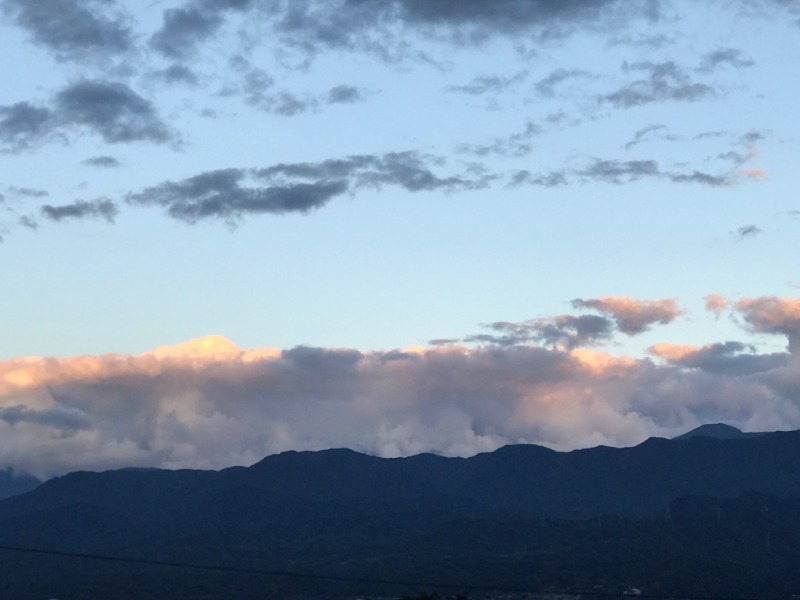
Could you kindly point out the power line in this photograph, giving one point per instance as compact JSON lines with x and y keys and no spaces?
{"x":340,"y":578}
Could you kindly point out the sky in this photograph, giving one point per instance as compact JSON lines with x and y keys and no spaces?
{"x":231,"y":228}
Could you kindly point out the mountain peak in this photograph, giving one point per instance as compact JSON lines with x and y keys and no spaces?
{"x":719,"y":431}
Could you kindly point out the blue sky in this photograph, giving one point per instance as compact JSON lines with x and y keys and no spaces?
{"x":451,"y":176}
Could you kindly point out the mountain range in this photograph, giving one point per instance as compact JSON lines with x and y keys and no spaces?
{"x":713,"y":512}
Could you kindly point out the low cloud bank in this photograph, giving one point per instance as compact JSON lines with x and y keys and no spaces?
{"x":209,"y":404}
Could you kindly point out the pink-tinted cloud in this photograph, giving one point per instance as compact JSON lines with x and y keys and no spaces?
{"x":633,"y":316}
{"x":754,"y":173}
{"x":209,"y":404}
{"x":770,"y":314}
{"x":715,"y":303}
{"x":773,"y":314}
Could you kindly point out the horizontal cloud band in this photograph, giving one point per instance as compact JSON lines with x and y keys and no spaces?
{"x":208,"y":404}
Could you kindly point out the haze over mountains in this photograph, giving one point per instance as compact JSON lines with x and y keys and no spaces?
{"x":498,"y":516}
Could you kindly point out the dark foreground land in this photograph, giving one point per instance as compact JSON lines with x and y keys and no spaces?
{"x":700,"y":517}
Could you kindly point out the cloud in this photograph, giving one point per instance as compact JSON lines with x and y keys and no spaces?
{"x":344,"y":94}
{"x":771,"y":314}
{"x":208,"y":404}
{"x":22,"y":124}
{"x":515,"y":145}
{"x":221,"y":194}
{"x":551,"y":179}
{"x":604,"y":170}
{"x":658,"y":131}
{"x":725,"y":358}
{"x":633,"y":316}
{"x":28,"y":222}
{"x":230,"y":194}
{"x":409,"y":170}
{"x":177,"y":74}
{"x":615,"y":171}
{"x":488,"y":84}
{"x":257,"y":88}
{"x":383,"y":28}
{"x":723,"y":180}
{"x":747,"y":231}
{"x":724,"y":57}
{"x":547,"y":86}
{"x":618,"y":172}
{"x":73,"y":29}
{"x":65,"y":419}
{"x":562,"y":332}
{"x":184,"y":29}
{"x":715,"y":303}
{"x":27,"y":192}
{"x":664,"y":82}
{"x":82,"y":209}
{"x":113,"y":111}
{"x":110,"y":109}
{"x":104,"y":162}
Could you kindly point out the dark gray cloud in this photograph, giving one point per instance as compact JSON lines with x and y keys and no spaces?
{"x":724,"y":57}
{"x":22,"y":125}
{"x":177,"y":74}
{"x":383,"y":27}
{"x":663,"y":82}
{"x":547,"y":86}
{"x":184,"y":29}
{"x":230,"y":194}
{"x":82,"y":209}
{"x":747,"y":231}
{"x":104,"y":162}
{"x":226,"y":194}
{"x":709,"y":179}
{"x":728,"y":358}
{"x":111,"y":110}
{"x":504,"y":15}
{"x":617,"y":171}
{"x":562,"y":331}
{"x":66,"y":419}
{"x":344,"y":94}
{"x":73,"y":29}
{"x":443,"y":341}
{"x":317,"y":359}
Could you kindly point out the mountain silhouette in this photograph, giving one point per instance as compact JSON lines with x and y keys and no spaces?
{"x":521,"y":515}
{"x":14,"y":484}
{"x":720,"y":431}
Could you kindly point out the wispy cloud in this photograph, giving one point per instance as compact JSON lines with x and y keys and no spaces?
{"x":82,"y":209}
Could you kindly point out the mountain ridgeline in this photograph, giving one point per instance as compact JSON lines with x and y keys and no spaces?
{"x":710,"y":513}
